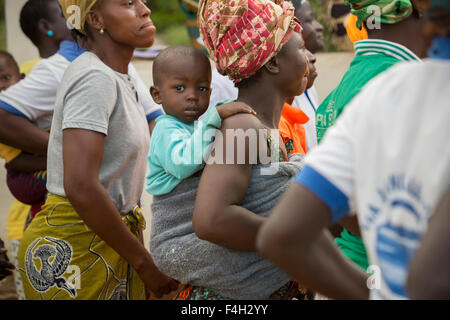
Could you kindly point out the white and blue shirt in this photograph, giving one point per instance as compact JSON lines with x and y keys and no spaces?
{"x":33,"y":98}
{"x":388,"y":159}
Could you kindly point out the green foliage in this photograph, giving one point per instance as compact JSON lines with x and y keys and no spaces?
{"x":170,"y":21}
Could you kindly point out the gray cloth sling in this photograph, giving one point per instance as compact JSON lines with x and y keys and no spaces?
{"x":180,"y":254}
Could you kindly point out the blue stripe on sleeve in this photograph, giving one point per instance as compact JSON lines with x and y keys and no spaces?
{"x":326,"y":191}
{"x":154,"y":114}
{"x":12,"y":110}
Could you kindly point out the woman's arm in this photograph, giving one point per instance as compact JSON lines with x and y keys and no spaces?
{"x":28,"y":163}
{"x":20,"y":133}
{"x":428,"y":276}
{"x":82,"y":155}
{"x":298,"y":242}
{"x":218,"y":216}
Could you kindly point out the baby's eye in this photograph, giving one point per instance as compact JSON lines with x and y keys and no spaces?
{"x":179,"y":88}
{"x":203,"y":89}
{"x":6,"y":77}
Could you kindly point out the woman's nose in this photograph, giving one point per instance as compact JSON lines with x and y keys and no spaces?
{"x":144,"y":10}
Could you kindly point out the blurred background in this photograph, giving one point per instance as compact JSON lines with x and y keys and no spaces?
{"x":171,"y":21}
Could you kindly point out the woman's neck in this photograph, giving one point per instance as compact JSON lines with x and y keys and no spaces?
{"x":267,"y":104}
{"x":115,"y":56}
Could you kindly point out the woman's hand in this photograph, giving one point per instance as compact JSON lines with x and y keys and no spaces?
{"x":229,"y":109}
{"x":155,"y":281}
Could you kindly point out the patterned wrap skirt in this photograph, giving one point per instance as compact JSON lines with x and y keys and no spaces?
{"x":60,"y":258}
{"x":290,"y":291}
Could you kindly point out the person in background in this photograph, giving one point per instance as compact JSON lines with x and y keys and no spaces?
{"x":43,"y":23}
{"x":398,"y":39}
{"x":376,"y":165}
{"x":308,"y":102}
{"x":25,"y":178}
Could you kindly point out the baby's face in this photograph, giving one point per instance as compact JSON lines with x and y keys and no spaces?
{"x":186,"y":89}
{"x":9,"y":74}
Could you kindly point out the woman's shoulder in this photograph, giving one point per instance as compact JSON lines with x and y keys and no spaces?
{"x":244,"y":121}
{"x":89,"y":68}
{"x":85,"y":73}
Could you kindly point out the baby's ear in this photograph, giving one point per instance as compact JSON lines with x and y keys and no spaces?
{"x":156,"y":94}
{"x":22,"y":76}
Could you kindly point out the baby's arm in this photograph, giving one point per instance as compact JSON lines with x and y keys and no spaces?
{"x":28,"y":163}
{"x":180,"y":152}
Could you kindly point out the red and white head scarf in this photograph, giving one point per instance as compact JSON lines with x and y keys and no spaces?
{"x":243,"y":35}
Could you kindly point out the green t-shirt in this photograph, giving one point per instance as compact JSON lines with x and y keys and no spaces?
{"x":372,"y":57}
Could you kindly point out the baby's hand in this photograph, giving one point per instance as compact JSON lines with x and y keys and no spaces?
{"x":229,"y":109}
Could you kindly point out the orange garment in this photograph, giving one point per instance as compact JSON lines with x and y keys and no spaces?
{"x":292,"y":130}
{"x":352,"y":30}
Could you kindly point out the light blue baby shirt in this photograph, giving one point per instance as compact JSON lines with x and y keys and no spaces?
{"x":178,"y":150}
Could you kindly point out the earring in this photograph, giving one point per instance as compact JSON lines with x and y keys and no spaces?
{"x":50,"y":33}
{"x":102,"y":31}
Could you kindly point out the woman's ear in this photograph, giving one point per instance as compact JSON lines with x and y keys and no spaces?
{"x":156,"y":94}
{"x":94,"y":20}
{"x":273,"y":65}
{"x":43,"y":27}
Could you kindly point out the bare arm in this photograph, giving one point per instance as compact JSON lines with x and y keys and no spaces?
{"x":28,"y":163}
{"x":299,"y":243}
{"x":428,"y":276}
{"x":218,"y":216}
{"x":82,"y":153}
{"x":20,"y":133}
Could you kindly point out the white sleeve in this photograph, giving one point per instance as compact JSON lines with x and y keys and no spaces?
{"x":33,"y":97}
{"x":152,"y":110}
{"x":222,"y":89}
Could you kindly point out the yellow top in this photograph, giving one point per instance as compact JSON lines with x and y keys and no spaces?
{"x":27,"y":66}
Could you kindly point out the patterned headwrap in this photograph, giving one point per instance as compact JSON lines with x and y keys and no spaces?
{"x":391,"y":11}
{"x":243,"y":35}
{"x":76,"y":11}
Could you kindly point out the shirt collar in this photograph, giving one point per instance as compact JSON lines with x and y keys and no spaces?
{"x":392,"y":49}
{"x":294,"y":115}
{"x":70,"y":50}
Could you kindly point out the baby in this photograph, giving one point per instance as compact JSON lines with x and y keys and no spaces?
{"x":25,"y":178}
{"x":182,"y":85}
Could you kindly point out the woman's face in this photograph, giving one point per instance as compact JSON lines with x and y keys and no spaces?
{"x":128,"y":22}
{"x":57,"y":23}
{"x":293,"y":63}
{"x":311,"y":68}
{"x":312,"y":29}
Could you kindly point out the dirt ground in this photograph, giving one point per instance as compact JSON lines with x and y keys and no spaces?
{"x":331,"y":67}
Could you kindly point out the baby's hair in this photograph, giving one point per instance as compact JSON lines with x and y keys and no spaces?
{"x":168,"y":55}
{"x":7,"y":55}
{"x":31,"y":13}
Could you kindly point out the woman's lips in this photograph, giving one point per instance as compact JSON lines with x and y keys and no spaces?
{"x":147,"y":25}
